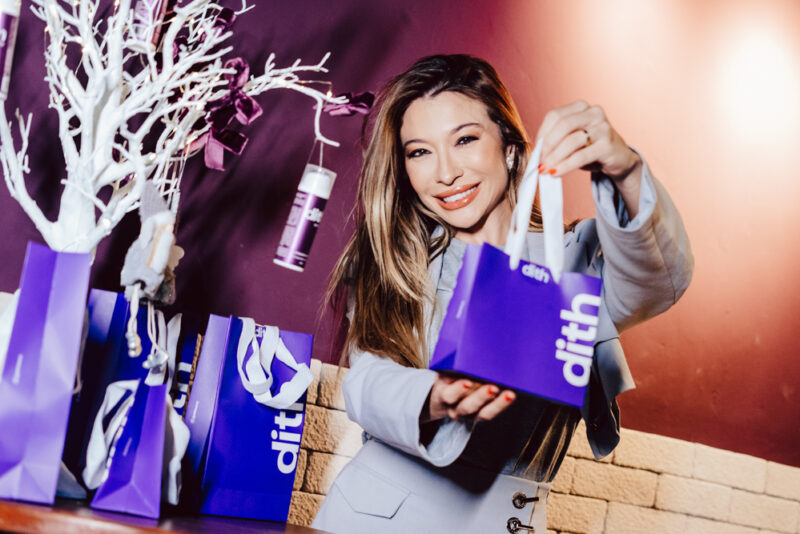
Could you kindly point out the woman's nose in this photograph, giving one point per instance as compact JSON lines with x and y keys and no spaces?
{"x":449,"y":169}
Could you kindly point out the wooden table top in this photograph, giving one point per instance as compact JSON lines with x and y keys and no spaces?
{"x":67,"y":517}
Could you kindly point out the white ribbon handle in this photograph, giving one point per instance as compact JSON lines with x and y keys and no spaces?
{"x":176,"y":441}
{"x":176,"y":438}
{"x":552,"y":201}
{"x":255,"y":373}
{"x":100,"y":448}
{"x":167,"y":337}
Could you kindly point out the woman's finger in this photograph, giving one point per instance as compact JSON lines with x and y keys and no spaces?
{"x":494,"y":408}
{"x":555,"y":115}
{"x":581,"y":122}
{"x":452,"y":393}
{"x":445,"y":392}
{"x":569,"y":146}
{"x":472,"y":403}
{"x":578,"y":159}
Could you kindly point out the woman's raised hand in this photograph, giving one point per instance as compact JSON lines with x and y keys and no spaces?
{"x":579,"y":136}
{"x":463,"y":399}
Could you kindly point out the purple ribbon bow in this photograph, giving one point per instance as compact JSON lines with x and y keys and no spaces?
{"x":236,"y":104}
{"x":358,"y":103}
{"x":225,"y":18}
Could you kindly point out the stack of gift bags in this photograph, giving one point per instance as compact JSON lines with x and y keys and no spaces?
{"x":208,"y":416}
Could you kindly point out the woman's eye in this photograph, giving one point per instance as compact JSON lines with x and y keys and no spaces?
{"x":416,"y":153}
{"x":466,"y":139}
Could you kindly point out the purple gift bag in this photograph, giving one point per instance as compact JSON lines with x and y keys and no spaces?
{"x":37,"y":381}
{"x":105,"y":360}
{"x":520,"y":329}
{"x":202,"y":406}
{"x":518,"y":324}
{"x":133,"y":485}
{"x":244,"y":453}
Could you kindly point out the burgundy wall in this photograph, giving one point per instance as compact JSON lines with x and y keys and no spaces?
{"x":707,"y":91}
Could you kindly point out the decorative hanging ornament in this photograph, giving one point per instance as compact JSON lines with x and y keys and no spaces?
{"x":131,"y":334}
{"x":9,"y":19}
{"x":221,"y":112}
{"x":306,"y":213}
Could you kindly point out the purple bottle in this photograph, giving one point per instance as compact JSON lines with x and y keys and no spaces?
{"x":9,"y":18}
{"x":301,"y":226}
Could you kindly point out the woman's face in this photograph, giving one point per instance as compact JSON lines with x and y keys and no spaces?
{"x":454,"y":158}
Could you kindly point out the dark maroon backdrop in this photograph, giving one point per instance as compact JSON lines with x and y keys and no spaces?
{"x":719,"y":368}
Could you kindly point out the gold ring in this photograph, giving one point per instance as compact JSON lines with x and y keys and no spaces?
{"x":588,"y":138}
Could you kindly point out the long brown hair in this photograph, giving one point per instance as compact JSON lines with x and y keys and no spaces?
{"x":382,"y":275}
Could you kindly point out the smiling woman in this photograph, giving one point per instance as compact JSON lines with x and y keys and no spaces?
{"x":457,"y":164}
{"x":441,"y":170}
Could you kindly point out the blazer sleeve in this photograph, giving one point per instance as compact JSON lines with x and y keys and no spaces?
{"x":648,"y":261}
{"x":386,"y":399}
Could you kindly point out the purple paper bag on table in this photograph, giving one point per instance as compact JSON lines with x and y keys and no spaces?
{"x":133,"y":485}
{"x":247,"y":452}
{"x":520,"y":328}
{"x":202,"y":405}
{"x":37,"y":381}
{"x":105,"y":360}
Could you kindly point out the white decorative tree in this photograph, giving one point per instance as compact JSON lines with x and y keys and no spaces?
{"x":128,"y":109}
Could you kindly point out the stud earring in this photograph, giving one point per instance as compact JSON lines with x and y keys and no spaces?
{"x":510,"y":161}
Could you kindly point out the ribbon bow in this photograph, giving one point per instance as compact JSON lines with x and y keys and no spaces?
{"x":225,"y":18}
{"x":236,"y":104}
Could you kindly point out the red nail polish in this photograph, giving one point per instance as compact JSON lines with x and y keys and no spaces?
{"x":466,"y":385}
{"x":552,"y":172}
{"x":509,"y":397}
{"x":541,"y":167}
{"x":492,"y":390}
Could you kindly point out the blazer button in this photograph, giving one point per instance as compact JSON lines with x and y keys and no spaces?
{"x":514,"y":525}
{"x":519,"y":500}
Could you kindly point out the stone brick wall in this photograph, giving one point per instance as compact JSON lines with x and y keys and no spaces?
{"x":651,"y":484}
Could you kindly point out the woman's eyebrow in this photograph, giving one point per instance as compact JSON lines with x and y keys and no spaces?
{"x":462,"y":126}
{"x":453,"y":131}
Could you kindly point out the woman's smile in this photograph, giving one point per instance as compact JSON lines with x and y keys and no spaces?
{"x":458,"y":197}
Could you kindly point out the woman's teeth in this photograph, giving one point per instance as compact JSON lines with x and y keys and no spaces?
{"x":460,"y":195}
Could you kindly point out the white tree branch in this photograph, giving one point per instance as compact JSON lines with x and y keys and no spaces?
{"x":128,"y":111}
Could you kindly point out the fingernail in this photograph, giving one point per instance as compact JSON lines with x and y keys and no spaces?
{"x":509,"y":397}
{"x":466,"y":385}
{"x":541,"y":167}
{"x":492,"y":390}
{"x":552,"y":172}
